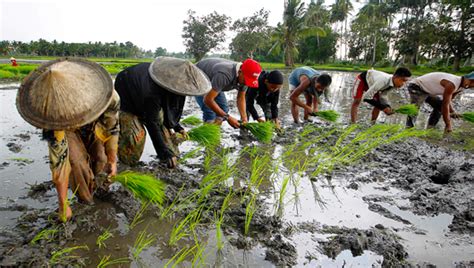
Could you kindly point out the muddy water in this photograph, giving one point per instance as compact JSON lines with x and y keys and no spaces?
{"x":352,"y":200}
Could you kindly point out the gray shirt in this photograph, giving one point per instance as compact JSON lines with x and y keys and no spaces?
{"x":222,"y":73}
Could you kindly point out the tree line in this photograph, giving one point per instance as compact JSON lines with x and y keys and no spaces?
{"x":407,"y":32}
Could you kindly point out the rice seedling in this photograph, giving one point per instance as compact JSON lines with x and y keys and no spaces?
{"x":182,"y":229}
{"x":46,"y":234}
{"x":468,"y":116}
{"x":408,"y":109}
{"x":137,"y":219}
{"x":142,"y":242}
{"x":219,"y":218}
{"x":191,"y":120}
{"x":250,"y":210}
{"x":191,"y":154}
{"x":262,"y":131}
{"x":62,"y":256}
{"x":105,"y":261}
{"x":281,"y":196}
{"x":143,"y":186}
{"x":181,"y":255}
{"x":328,"y":115}
{"x":208,"y":135}
{"x":22,"y":160}
{"x":199,"y":259}
{"x":100,"y":241}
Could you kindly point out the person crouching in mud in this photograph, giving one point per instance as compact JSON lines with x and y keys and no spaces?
{"x":74,"y":102}
{"x":305,"y":80}
{"x":438,"y":90}
{"x":267,"y":95}
{"x":152,"y":95}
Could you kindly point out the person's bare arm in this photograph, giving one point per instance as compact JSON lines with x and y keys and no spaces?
{"x":449,"y":89}
{"x":209,"y":100}
{"x":294,"y":97}
{"x":315,"y":104}
{"x":242,"y":106}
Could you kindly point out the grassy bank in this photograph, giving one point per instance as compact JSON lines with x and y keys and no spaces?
{"x":117,"y":65}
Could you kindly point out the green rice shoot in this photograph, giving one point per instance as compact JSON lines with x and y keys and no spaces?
{"x":64,"y":255}
{"x":145,"y":187}
{"x":468,"y":116}
{"x":142,"y":242}
{"x":106,"y":261}
{"x":408,"y":109}
{"x":328,"y":115}
{"x":262,"y":131}
{"x":208,"y":135}
{"x":100,"y":241}
{"x":191,"y":121}
{"x":46,"y":234}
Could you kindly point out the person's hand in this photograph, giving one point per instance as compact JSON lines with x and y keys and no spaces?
{"x":184,"y":134}
{"x":309,"y":110}
{"x":112,"y":169}
{"x":65,"y":213}
{"x":172,"y":162}
{"x":448,"y":129}
{"x":261,"y":119}
{"x":233,"y":122}
{"x":456,"y":115}
{"x":388,"y":111}
{"x":277,"y":123}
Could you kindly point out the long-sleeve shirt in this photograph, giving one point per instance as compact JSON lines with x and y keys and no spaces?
{"x":378,"y":82}
{"x":267,"y":100}
{"x":142,"y":97}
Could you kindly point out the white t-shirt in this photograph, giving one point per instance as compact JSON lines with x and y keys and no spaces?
{"x":431,"y":83}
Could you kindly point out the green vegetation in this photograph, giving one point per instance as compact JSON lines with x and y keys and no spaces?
{"x":143,"y":186}
{"x":328,"y":115}
{"x":262,"y":131}
{"x":142,"y":242}
{"x":105,"y":261}
{"x":468,"y":116}
{"x":408,"y":109}
{"x":46,"y":234}
{"x":100,"y":241}
{"x":63,"y":256}
{"x":191,"y":120}
{"x":22,"y":160}
{"x":137,"y":219}
{"x":208,"y":135}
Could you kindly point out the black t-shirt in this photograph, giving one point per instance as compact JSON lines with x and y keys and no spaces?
{"x":267,"y":100}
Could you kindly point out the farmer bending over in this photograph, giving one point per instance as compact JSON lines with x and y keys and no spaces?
{"x":74,"y":102}
{"x":438,"y":89}
{"x":267,"y":95}
{"x":376,"y":85}
{"x":152,"y":96}
{"x":312,"y":84}
{"x":226,"y":75}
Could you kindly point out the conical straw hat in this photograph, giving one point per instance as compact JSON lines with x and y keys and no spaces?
{"x":64,"y":94}
{"x":179,"y":76}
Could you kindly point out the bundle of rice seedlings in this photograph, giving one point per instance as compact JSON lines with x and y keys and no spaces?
{"x":262,"y":131}
{"x":408,"y":109}
{"x":328,"y":115}
{"x":207,"y":135}
{"x":191,"y":120}
{"x":468,"y":116}
{"x":143,"y":186}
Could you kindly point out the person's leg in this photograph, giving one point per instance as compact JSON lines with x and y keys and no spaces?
{"x":221,"y":100}
{"x":357,"y":92}
{"x":131,"y":140}
{"x":436,"y":102}
{"x":309,"y":102}
{"x":294,"y":107}
{"x":208,"y":115}
{"x":375,"y":115}
{"x":82,"y":178}
{"x":417,"y":97}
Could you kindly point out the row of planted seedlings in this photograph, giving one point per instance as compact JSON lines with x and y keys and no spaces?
{"x":313,"y":152}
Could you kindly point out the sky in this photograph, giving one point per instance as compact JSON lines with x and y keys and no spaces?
{"x":147,"y":23}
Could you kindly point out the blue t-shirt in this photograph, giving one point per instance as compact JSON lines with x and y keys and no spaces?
{"x":294,"y":78}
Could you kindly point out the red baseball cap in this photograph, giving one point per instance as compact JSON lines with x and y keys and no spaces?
{"x":251,"y":70}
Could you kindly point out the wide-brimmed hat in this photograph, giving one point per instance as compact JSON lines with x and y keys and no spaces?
{"x":179,"y":76}
{"x":65,"y":93}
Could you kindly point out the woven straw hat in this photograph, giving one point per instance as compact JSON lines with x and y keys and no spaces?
{"x":179,"y":76}
{"x":65,"y":93}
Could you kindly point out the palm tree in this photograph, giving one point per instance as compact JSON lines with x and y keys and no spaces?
{"x":340,"y":11}
{"x":294,"y":27}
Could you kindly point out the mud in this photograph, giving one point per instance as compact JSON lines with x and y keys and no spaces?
{"x":407,"y":204}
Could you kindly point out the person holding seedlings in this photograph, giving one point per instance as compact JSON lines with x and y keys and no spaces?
{"x":13,"y":62}
{"x":376,"y":85}
{"x":74,"y":102}
{"x":267,"y":95}
{"x":305,"y":80}
{"x":226,"y":75}
{"x":438,"y":89}
{"x":152,"y":96}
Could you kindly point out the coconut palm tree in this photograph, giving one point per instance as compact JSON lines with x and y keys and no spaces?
{"x":294,"y":27}
{"x":340,"y":11}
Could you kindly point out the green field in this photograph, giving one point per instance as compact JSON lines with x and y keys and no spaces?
{"x":115,"y":65}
